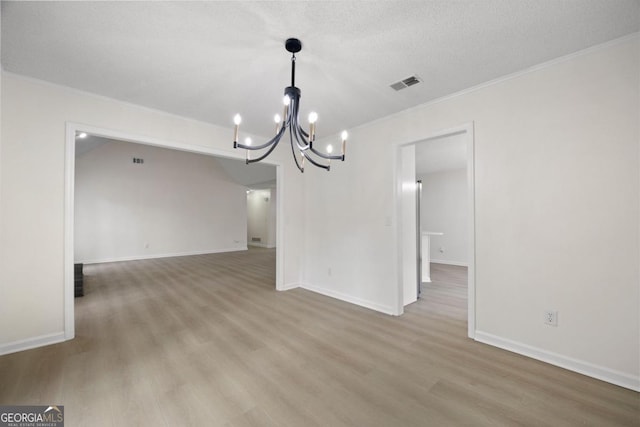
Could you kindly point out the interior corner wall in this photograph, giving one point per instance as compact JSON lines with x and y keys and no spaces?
{"x":32,"y":208}
{"x":557,"y":191}
{"x":444,"y":209}
{"x":174,"y":203}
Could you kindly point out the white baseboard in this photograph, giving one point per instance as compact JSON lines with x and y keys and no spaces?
{"x":153,"y":256}
{"x":589,"y":369}
{"x":350,"y":299}
{"x":288,"y":286}
{"x":29,"y":343}
{"x":261,"y":245}
{"x":458,"y":263}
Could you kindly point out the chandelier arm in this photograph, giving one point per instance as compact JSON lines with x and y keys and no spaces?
{"x":296,"y":131}
{"x":289,"y":117}
{"x":286,"y":121}
{"x":313,"y":162}
{"x":264,"y":156}
{"x":298,"y":137}
{"x":301,"y":148}
{"x":295,"y":106}
{"x":272,"y":141}
{"x":303,"y":135}
{"x":293,"y":151}
{"x":326,"y":156}
{"x":306,"y":135}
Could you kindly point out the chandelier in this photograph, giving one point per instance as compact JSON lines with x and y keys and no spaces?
{"x":301,"y":142}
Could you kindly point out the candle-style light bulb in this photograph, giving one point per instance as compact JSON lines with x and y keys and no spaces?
{"x":247,"y":141}
{"x":236,"y":120}
{"x":277,"y":120}
{"x":313,"y":117}
{"x":344,"y":136}
{"x":329,"y":148}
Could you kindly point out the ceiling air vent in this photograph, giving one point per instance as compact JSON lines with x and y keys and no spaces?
{"x":409,"y":81}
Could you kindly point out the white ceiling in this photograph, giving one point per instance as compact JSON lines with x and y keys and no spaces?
{"x":256,"y":175}
{"x":209,"y":60}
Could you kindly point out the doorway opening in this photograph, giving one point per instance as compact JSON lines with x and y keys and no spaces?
{"x":142,"y":246}
{"x":436,"y":217}
{"x":262,"y":215}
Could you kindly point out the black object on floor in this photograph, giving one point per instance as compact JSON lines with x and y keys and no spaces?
{"x":78,"y":280}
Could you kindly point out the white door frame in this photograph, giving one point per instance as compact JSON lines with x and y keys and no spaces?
{"x":468,"y":131}
{"x":69,"y":177}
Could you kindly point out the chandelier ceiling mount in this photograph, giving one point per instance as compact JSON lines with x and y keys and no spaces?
{"x":301,"y":141}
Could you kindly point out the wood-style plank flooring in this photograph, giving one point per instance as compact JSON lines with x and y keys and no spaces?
{"x":207,"y":341}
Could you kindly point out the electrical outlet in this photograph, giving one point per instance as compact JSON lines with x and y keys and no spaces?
{"x":551,"y":317}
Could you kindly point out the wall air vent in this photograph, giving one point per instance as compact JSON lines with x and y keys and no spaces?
{"x":405,"y":83}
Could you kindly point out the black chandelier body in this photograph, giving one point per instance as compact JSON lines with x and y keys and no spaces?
{"x":301,"y":141}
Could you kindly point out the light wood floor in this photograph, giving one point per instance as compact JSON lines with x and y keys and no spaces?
{"x":207,"y":341}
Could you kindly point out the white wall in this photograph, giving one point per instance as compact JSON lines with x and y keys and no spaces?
{"x":557,"y":195}
{"x":175,"y":203}
{"x":272,"y":224}
{"x":34,"y":118}
{"x":409,"y":224}
{"x":261,"y":217}
{"x":444,"y":209}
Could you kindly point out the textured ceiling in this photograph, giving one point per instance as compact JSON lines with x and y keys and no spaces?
{"x":209,"y":60}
